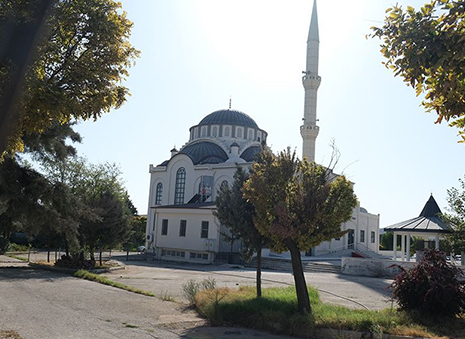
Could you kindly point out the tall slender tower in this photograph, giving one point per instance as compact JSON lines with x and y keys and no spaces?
{"x":311,"y":81}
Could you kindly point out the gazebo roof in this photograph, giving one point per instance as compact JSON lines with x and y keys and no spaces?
{"x":427,"y":222}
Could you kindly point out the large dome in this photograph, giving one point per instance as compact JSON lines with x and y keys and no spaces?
{"x":205,"y":153}
{"x":228,"y":117}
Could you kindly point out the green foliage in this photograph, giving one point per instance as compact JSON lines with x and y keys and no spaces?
{"x":456,"y":218}
{"x":81,"y":61}
{"x":237,"y":214}
{"x":297,"y":201}
{"x":434,"y":287}
{"x":192,"y":287}
{"x":427,"y":49}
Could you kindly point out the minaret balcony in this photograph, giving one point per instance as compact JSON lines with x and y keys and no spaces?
{"x":311,"y":81}
{"x":309,"y":131}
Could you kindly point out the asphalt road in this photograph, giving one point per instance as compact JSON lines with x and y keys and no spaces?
{"x":167,"y":279}
{"x":38,"y":304}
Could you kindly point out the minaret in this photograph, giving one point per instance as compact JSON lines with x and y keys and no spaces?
{"x":311,"y":81}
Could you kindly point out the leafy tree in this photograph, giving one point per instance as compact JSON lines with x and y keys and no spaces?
{"x":237,"y":214}
{"x":456,"y":217}
{"x":298,"y":205}
{"x":426,"y":48}
{"x":82,"y":58}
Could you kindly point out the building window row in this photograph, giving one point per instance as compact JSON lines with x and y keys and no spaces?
{"x":227,"y":132}
{"x":195,"y":255}
{"x":158,"y":194}
{"x":183,"y":228}
{"x":171,"y":253}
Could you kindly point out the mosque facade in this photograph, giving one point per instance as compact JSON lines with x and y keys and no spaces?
{"x":181,"y":225}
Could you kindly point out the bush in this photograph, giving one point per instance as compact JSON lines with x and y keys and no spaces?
{"x":433,"y":287}
{"x":74,"y":262}
{"x":4,"y":244}
{"x":192,"y":287}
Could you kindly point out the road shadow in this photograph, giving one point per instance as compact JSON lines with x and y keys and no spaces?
{"x":11,"y":274}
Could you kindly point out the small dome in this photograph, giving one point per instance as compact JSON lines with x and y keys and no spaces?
{"x":234,"y":144}
{"x":249,"y":154}
{"x":228,"y":117}
{"x":205,"y":153}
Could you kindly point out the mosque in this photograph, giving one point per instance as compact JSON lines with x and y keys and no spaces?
{"x":180,"y":221}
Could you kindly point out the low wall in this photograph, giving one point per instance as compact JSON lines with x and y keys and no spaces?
{"x":372,"y":267}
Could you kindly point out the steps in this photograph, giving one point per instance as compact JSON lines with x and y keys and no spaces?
{"x":279,"y":264}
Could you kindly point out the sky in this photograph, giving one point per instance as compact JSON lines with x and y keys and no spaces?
{"x":195,"y":55}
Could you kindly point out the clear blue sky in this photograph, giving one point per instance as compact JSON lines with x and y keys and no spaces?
{"x":196,"y":54}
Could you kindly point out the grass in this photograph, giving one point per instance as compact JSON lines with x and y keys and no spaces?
{"x":16,"y":257}
{"x":83,"y":274}
{"x":277,"y":312}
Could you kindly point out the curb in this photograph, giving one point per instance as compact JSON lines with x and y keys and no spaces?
{"x":74,"y":270}
{"x":346,"y":334}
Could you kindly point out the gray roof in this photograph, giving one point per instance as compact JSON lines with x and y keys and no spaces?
{"x":428,"y":221}
{"x":249,"y":154}
{"x":205,"y":153}
{"x":228,"y":117}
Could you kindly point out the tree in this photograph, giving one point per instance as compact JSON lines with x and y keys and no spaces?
{"x":456,"y":218}
{"x":81,"y":60}
{"x":427,"y":49}
{"x":237,"y":214}
{"x":298,"y":205}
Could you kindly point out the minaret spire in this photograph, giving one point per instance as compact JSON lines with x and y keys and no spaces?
{"x":311,"y":82}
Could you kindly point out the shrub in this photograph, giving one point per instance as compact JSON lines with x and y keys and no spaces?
{"x":433,"y":287}
{"x":192,"y":287}
{"x":74,"y":262}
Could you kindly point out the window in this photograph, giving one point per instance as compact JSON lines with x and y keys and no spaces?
{"x":214,"y":131}
{"x":203,"y":131}
{"x":205,"y":187}
{"x":362,"y":236}
{"x":238,"y":132}
{"x":158,"y":194}
{"x":182,"y":228}
{"x":250,"y":137}
{"x":204,"y":231}
{"x":173,"y":253}
{"x":202,"y":256}
{"x":227,"y":131}
{"x":164,"y":227}
{"x":180,"y":186}
{"x":373,"y":237}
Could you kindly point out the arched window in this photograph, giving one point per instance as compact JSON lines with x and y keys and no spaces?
{"x":224,"y":184}
{"x":214,"y":131}
{"x":250,"y":134}
{"x":158,"y":194}
{"x":239,"y":132}
{"x":227,"y":132}
{"x":180,"y":186}
{"x":203,"y":132}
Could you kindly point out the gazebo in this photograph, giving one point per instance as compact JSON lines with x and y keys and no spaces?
{"x":426,"y":225}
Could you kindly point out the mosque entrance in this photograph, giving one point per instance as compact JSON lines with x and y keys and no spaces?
{"x":350,"y":239}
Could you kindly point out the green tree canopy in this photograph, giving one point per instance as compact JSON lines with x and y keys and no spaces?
{"x":426,"y":47}
{"x":298,"y":205}
{"x":77,"y":74}
{"x":237,"y":214}
{"x":456,"y":217}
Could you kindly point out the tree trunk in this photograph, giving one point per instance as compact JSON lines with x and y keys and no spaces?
{"x":100,"y":259}
{"x":92,"y":254}
{"x":259,"y":272}
{"x":462,"y":260}
{"x":303,"y":300}
{"x":48,"y":254}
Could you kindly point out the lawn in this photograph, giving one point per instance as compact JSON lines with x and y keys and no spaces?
{"x":277,"y":312}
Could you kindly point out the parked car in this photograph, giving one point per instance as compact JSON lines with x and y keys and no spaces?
{"x":141,"y":249}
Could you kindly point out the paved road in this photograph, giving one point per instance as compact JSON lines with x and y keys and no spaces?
{"x":39,"y":304}
{"x":168,"y":278}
